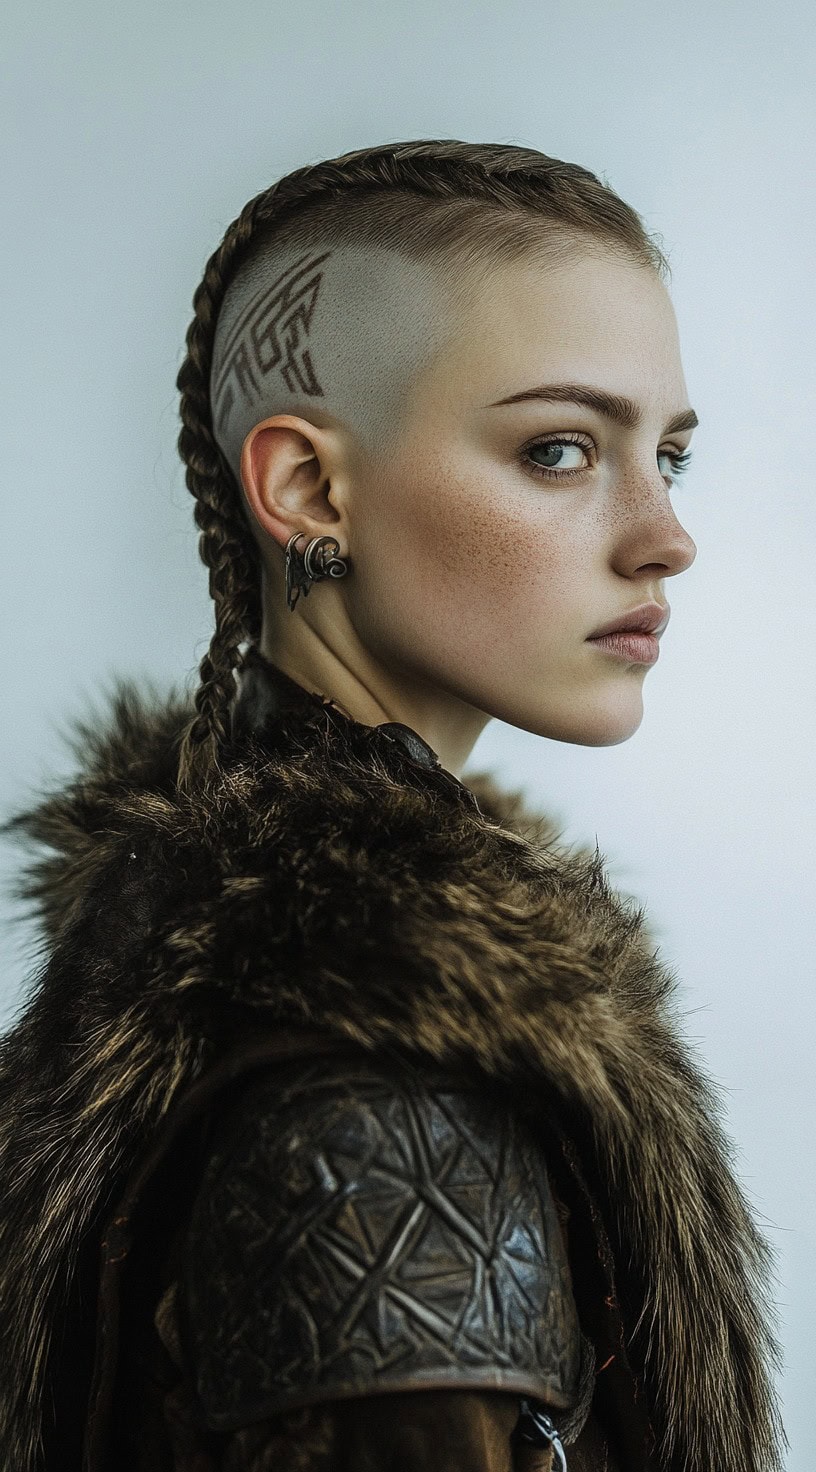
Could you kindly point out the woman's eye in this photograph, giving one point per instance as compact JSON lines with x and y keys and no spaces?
{"x":561,"y":457}
{"x":678,"y":462}
{"x":566,"y":455}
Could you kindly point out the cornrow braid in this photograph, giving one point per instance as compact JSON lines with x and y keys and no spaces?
{"x":518,"y":184}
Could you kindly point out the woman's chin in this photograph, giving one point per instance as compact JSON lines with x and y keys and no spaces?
{"x":592,"y":723}
{"x":613,"y":735}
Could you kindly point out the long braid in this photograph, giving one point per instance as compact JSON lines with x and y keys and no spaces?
{"x":225,"y":546}
{"x":516,"y":179}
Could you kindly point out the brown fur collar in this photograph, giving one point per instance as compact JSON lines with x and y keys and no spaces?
{"x":330,"y":879}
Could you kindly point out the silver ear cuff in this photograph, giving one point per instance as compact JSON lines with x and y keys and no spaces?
{"x":304,"y":568}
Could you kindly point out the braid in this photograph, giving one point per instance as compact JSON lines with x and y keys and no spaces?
{"x":517,"y":182}
{"x":225,"y":545}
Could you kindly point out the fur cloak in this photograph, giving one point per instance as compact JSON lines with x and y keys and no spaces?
{"x":328,"y":879}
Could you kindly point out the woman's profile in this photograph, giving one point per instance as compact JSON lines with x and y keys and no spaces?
{"x":350,"y":1126}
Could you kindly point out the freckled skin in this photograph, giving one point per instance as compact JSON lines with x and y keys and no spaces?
{"x":473,"y":583}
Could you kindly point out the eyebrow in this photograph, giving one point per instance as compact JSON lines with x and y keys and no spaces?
{"x":613,"y":406}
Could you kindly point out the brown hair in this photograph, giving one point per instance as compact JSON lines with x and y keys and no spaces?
{"x":479,"y":201}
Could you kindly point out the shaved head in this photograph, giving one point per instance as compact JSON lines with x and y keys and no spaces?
{"x":337,"y":335}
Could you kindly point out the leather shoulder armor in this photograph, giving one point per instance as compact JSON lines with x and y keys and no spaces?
{"x":362,"y":1226}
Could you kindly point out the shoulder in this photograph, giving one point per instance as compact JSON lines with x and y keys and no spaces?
{"x":367,"y":1221}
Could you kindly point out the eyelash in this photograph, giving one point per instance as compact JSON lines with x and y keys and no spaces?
{"x":679,"y":461}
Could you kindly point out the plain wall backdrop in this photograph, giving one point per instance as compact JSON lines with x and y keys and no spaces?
{"x":135,"y":134}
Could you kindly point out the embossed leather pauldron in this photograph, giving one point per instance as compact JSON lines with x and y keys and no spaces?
{"x":359,"y":1229}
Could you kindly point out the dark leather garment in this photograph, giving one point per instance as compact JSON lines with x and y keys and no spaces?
{"x":359,"y":1230}
{"x":146,"y":1414}
{"x":266,"y":693}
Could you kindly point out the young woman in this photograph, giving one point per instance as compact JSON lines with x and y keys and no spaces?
{"x":350,"y":1125}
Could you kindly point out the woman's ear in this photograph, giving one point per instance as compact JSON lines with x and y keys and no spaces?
{"x":285,"y":473}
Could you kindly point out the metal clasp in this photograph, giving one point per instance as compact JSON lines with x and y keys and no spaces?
{"x":536,"y":1428}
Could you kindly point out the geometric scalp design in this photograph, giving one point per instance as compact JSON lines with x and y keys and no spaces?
{"x":270,"y":334}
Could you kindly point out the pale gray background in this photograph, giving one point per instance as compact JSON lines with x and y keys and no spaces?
{"x":134,"y":134}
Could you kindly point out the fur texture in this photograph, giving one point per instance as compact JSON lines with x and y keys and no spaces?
{"x":331,"y":880}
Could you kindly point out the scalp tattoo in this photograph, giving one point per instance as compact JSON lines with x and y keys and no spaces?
{"x":270,"y":334}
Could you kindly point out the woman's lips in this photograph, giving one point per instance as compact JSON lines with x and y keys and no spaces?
{"x":644,"y":648}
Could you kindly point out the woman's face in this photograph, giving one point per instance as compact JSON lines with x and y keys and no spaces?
{"x":480,"y":576}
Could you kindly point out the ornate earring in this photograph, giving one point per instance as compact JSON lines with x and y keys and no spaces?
{"x":304,"y":568}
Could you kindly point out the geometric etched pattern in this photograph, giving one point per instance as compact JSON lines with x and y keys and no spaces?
{"x":269,"y":334}
{"x":362,"y":1228}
